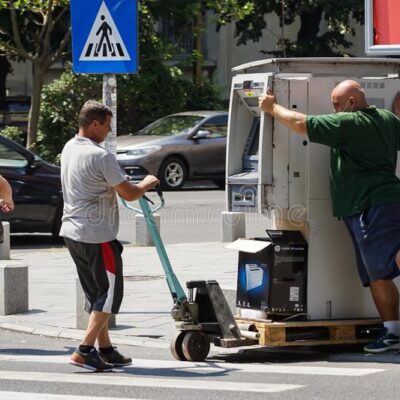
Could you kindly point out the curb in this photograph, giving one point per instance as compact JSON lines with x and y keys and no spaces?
{"x":75,"y":334}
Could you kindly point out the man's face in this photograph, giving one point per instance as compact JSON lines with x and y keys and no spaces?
{"x":342,"y":103}
{"x":101,"y":130}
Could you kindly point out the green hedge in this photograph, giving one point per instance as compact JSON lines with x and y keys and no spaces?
{"x":141,"y":99}
{"x":14,"y":133}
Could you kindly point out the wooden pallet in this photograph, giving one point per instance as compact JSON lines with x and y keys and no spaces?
{"x":312,"y":333}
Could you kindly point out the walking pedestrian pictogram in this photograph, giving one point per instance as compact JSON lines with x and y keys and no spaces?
{"x":104,"y":36}
{"x":104,"y":41}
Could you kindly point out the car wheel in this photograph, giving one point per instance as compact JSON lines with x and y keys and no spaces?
{"x":173,"y":174}
{"x":57,"y":221}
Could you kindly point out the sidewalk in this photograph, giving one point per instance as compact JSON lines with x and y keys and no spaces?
{"x":144,"y":318}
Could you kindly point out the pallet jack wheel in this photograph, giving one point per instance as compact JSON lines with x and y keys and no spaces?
{"x":176,"y":346}
{"x":195,"y":346}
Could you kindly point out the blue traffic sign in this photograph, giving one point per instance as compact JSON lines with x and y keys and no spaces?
{"x":104,"y":36}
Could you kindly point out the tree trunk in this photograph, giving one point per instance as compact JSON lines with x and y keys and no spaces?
{"x":38,"y":73}
{"x":198,"y":48}
{"x":5,"y":69}
{"x":309,"y":25}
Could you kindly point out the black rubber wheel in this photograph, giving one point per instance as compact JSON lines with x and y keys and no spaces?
{"x":195,"y":346}
{"x":173,"y":174}
{"x":176,"y":345}
{"x":57,"y":222}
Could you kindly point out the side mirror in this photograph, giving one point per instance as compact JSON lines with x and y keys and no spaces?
{"x":201,"y":134}
{"x":30,"y":161}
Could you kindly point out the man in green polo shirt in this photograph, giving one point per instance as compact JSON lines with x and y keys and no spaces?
{"x":365,"y":190}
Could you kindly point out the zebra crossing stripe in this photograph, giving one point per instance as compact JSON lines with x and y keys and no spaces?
{"x":212,"y":367}
{"x":110,"y":379}
{"x":50,"y":396}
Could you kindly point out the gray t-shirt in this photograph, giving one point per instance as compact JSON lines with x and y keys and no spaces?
{"x":89,"y":174}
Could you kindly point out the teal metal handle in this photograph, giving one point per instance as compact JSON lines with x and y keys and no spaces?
{"x":139,"y":210}
{"x":177,"y":292}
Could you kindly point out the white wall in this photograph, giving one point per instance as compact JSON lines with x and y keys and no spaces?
{"x":19,"y":82}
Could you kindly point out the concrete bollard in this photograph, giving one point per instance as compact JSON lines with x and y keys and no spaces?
{"x":233,"y":226}
{"x":82,"y":317}
{"x":5,"y":246}
{"x":143,"y":237}
{"x":14,"y":290}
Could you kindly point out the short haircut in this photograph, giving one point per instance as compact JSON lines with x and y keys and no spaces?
{"x":93,"y":111}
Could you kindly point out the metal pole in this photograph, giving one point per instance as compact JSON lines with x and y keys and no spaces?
{"x":110,"y":100}
{"x":283,"y":28}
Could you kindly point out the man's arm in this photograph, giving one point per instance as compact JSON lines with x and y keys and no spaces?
{"x":294,"y":120}
{"x":6,"y":201}
{"x":130,"y":191}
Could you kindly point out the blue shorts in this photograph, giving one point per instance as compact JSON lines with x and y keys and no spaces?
{"x":376,"y":237}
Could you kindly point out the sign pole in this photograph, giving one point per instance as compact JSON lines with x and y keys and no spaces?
{"x":110,"y":100}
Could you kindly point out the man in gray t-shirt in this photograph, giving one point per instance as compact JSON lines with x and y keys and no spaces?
{"x":91,"y":178}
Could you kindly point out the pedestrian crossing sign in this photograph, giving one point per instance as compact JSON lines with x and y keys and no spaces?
{"x":104,"y":36}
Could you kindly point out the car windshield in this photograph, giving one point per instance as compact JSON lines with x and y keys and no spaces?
{"x":172,"y":125}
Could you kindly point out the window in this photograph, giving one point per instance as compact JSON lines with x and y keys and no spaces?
{"x":11,"y":158}
{"x":217,"y":126}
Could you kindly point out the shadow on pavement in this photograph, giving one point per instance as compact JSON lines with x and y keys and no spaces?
{"x":35,"y":241}
{"x":338,"y":353}
{"x":40,"y":352}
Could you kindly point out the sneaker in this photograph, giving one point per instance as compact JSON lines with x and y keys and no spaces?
{"x":387,"y":341}
{"x":90,"y":361}
{"x":115,"y":358}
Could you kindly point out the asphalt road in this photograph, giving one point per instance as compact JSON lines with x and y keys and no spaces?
{"x":192,"y":215}
{"x":36,"y":367}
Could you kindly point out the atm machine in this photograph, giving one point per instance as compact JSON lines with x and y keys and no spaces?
{"x":273,"y":171}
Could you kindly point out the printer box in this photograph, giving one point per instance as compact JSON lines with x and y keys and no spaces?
{"x":272,"y":273}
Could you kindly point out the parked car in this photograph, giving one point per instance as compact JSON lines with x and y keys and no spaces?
{"x":177,"y":148}
{"x":36,"y":186}
{"x":14,"y":111}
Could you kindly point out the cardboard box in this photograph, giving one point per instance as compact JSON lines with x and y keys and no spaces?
{"x":272,"y":273}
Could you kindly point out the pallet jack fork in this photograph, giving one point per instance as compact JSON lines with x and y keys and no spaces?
{"x":201,"y":317}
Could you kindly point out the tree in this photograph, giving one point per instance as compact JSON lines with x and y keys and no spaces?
{"x":189,"y":16}
{"x":338,"y":15}
{"x":37,"y":31}
{"x":5,"y":69}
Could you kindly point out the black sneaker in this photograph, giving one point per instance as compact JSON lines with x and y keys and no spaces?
{"x":90,"y":361}
{"x":116,"y":359}
{"x":385,"y":342}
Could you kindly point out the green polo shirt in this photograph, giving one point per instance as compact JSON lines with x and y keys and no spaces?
{"x":364,"y":147}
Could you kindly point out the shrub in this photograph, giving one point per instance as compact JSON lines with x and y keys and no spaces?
{"x":156,"y":91}
{"x":202,"y":95}
{"x":14,"y":133}
{"x":61,"y":102}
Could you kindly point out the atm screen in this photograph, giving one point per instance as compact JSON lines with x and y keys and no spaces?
{"x":250,"y":153}
{"x":254,"y":138}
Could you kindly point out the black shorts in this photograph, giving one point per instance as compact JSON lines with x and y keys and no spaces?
{"x":376,"y":237}
{"x":99,"y":268}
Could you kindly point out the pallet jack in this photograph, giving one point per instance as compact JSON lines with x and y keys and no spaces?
{"x":201,"y":317}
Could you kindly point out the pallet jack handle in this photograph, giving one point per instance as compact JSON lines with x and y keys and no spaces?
{"x":177,"y":292}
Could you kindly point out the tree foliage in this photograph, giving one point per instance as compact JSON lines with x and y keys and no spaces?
{"x":337,"y":14}
{"x":138,"y":103}
{"x":36,"y":31}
